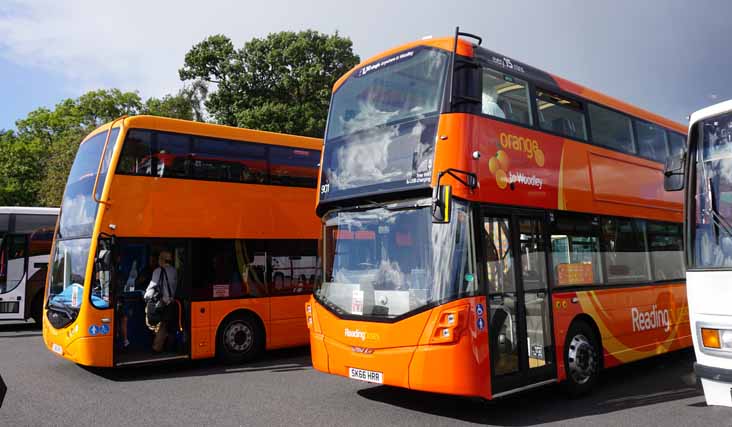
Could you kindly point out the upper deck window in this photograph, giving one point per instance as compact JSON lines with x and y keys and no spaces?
{"x":220,"y":160}
{"x":505,"y":97}
{"x":294,"y":166}
{"x":382,"y":125}
{"x":561,"y":115}
{"x":676,"y":144}
{"x":651,"y":141}
{"x":213,"y":159}
{"x":406,"y":85}
{"x":78,"y":208}
{"x":611,"y":129}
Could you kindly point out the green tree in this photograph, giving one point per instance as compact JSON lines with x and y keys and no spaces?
{"x":20,"y":175}
{"x":280,"y":83}
{"x":187,"y":104}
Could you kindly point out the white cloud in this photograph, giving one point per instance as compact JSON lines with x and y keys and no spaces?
{"x":134,"y":45}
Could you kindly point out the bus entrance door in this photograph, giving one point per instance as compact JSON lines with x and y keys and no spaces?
{"x":520,"y":328}
{"x":13,"y":265}
{"x":137,"y":260}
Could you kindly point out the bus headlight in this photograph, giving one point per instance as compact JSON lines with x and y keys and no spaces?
{"x":719,"y":339}
{"x":726,"y":336}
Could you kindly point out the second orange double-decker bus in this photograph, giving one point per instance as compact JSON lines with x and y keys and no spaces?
{"x":230,"y":209}
{"x":489,"y":227}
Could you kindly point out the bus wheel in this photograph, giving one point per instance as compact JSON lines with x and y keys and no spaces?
{"x":36,"y":309}
{"x":240,"y":339}
{"x":581,"y":359}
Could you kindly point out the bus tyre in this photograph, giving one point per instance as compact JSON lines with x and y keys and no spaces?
{"x":240,"y":339}
{"x":582,"y":354}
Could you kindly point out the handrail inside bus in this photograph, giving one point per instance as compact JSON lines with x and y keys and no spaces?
{"x":101,"y":159}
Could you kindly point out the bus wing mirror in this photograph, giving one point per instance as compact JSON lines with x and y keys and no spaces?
{"x":441,"y":204}
{"x":673,"y":174}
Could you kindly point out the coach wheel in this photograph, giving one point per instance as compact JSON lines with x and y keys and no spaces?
{"x":240,"y":339}
{"x":581,"y":359}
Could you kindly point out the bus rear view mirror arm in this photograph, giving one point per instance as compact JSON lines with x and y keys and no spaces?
{"x":442,"y":194}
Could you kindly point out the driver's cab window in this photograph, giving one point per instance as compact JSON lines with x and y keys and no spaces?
{"x":102,"y":280}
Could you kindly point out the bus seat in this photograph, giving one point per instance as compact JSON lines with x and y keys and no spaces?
{"x":564,"y":126}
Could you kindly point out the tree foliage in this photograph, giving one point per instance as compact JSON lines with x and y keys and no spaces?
{"x":280,"y":83}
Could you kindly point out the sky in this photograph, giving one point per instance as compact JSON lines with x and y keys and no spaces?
{"x":667,"y":56}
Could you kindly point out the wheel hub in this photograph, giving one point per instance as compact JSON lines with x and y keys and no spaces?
{"x":582,"y":359}
{"x":238,"y":336}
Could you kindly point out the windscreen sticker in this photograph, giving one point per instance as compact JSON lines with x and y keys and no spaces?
{"x":75,"y":296}
{"x":357,"y":302}
{"x":391,"y":60}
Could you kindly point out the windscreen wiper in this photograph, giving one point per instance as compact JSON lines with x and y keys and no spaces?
{"x":406,"y":207}
{"x":719,"y":221}
{"x":62,"y":308}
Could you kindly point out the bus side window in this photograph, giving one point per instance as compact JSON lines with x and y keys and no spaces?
{"x":233,"y":161}
{"x":13,"y":262}
{"x":611,"y":129}
{"x":575,"y":245}
{"x":665,"y":246}
{"x":505,"y":97}
{"x":295,"y":167}
{"x":294,"y":266}
{"x":136,"y":157}
{"x":651,"y":141}
{"x":561,"y":115}
{"x":624,"y":251}
{"x":172,"y":152}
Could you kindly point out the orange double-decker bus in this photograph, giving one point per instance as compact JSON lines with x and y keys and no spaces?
{"x":489,"y":227}
{"x":230,"y":209}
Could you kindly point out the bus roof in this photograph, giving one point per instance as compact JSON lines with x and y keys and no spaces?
{"x":711,"y":111}
{"x":466,"y":48}
{"x":28,"y":210}
{"x":215,"y":131}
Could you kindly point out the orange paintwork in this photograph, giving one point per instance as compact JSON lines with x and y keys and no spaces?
{"x":137,"y":206}
{"x":612,"y":310}
{"x":406,"y":352}
{"x":569,"y":175}
{"x":525,"y":167}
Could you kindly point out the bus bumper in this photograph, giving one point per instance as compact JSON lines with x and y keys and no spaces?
{"x":717,"y":383}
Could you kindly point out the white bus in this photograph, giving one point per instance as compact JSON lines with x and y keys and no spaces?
{"x":706,"y":175}
{"x":26,"y":235}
